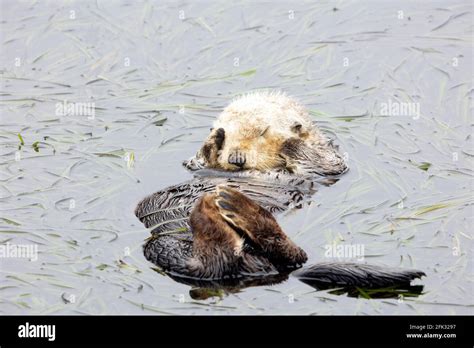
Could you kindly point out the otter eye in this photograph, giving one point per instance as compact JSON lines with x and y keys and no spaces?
{"x":264,"y":131}
{"x":211,"y":129}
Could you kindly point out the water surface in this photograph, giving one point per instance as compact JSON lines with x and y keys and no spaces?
{"x":158,"y":74}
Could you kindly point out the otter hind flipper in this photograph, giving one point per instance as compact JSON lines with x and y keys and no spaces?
{"x":346,"y":274}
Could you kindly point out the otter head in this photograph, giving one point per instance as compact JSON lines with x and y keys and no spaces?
{"x":300,"y":149}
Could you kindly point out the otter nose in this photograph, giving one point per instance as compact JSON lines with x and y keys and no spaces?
{"x":237,"y":158}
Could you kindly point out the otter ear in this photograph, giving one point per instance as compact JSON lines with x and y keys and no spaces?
{"x":296,"y":127}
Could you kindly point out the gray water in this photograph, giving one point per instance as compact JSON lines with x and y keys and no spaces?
{"x":160,"y":72}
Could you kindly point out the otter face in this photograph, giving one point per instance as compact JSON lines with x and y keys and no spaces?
{"x":250,"y":148}
{"x":298,"y":149}
{"x":239,"y":148}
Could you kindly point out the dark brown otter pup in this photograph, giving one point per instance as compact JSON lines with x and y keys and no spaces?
{"x":232,"y":235}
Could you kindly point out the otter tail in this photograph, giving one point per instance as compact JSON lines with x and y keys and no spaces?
{"x":344,"y":274}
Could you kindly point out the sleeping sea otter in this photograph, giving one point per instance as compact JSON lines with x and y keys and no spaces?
{"x":264,"y":155}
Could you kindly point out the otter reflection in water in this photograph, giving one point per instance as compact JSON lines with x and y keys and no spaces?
{"x":263,"y":156}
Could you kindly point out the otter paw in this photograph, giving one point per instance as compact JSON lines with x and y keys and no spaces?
{"x":193,"y":164}
{"x":237,"y":158}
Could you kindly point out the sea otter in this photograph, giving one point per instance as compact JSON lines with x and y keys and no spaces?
{"x":263,"y":156}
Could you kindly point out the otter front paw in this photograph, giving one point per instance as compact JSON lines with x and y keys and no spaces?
{"x":304,"y":159}
{"x":237,"y":158}
{"x":193,"y":164}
